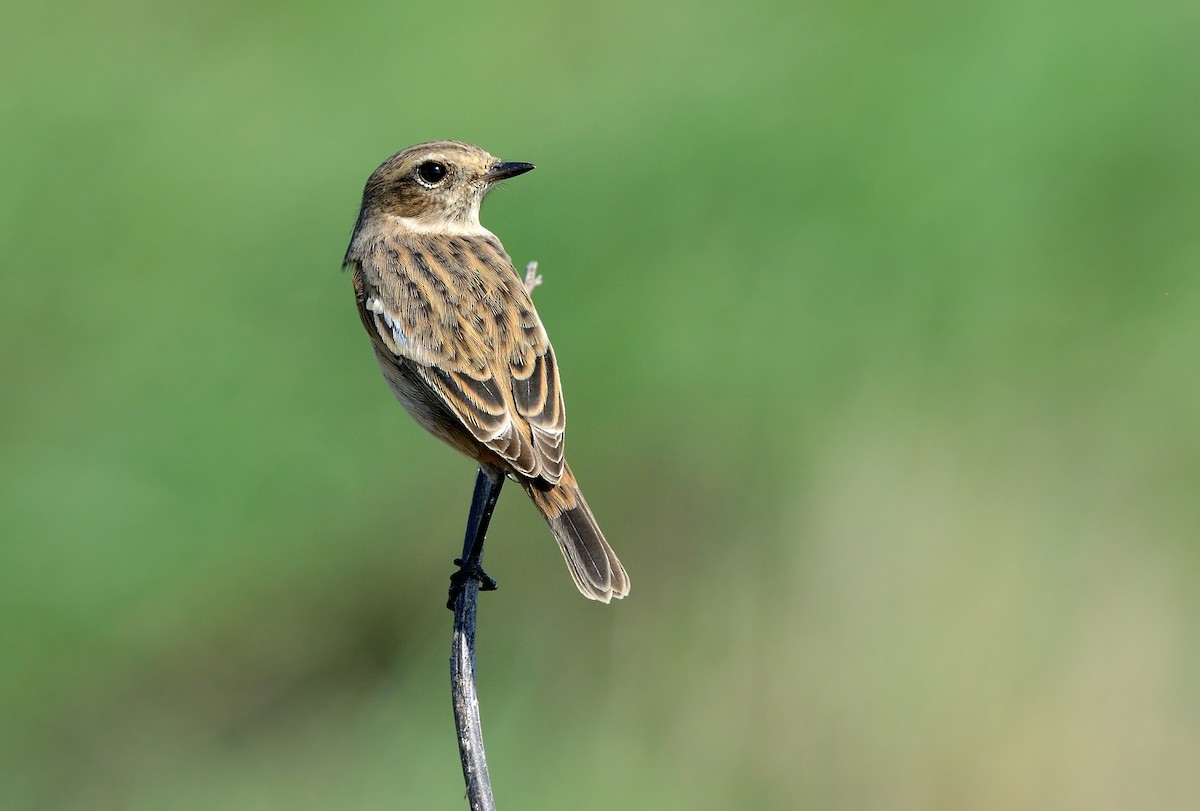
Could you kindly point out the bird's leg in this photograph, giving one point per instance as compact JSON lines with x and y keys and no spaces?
{"x":470,"y":565}
{"x":532,"y":278}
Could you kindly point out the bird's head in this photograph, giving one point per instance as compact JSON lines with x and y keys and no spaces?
{"x":436,"y":187}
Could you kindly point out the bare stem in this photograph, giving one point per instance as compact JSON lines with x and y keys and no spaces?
{"x":466,"y":701}
{"x":464,"y":596}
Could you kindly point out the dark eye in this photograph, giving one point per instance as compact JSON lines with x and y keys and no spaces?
{"x":431,"y":173}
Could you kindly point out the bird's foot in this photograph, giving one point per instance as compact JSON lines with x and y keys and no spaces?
{"x":465,"y":574}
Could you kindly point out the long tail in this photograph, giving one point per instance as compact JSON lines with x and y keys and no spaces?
{"x":593,"y":565}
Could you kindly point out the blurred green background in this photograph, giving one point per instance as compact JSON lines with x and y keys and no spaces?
{"x":879,"y":333}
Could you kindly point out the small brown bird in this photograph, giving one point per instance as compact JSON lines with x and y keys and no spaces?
{"x":458,"y":339}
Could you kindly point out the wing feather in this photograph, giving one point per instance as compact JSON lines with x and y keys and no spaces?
{"x":476,"y":343}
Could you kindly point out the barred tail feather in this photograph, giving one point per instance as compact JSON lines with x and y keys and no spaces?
{"x":597,"y":572}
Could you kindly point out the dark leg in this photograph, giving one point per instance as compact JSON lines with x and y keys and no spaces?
{"x":470,"y":565}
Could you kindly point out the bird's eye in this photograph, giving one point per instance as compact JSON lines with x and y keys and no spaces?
{"x":431,"y":173}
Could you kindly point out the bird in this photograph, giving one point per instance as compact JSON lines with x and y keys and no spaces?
{"x":460,"y":343}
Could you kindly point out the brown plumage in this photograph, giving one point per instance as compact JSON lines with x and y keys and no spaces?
{"x":459,"y":341}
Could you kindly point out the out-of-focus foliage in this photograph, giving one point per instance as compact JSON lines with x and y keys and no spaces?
{"x":879,"y":333}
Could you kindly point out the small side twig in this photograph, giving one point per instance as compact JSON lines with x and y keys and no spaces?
{"x":532,"y":277}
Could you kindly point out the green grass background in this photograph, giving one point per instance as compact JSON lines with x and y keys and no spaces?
{"x":879,"y":330}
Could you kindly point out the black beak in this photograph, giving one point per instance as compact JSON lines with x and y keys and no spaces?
{"x":505,"y":170}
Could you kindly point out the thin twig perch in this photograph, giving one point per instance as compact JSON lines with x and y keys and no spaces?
{"x":466,"y":702}
{"x":464,"y":593}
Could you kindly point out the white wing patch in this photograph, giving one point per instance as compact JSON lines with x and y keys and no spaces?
{"x":388,"y":326}
{"x":393,"y":326}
